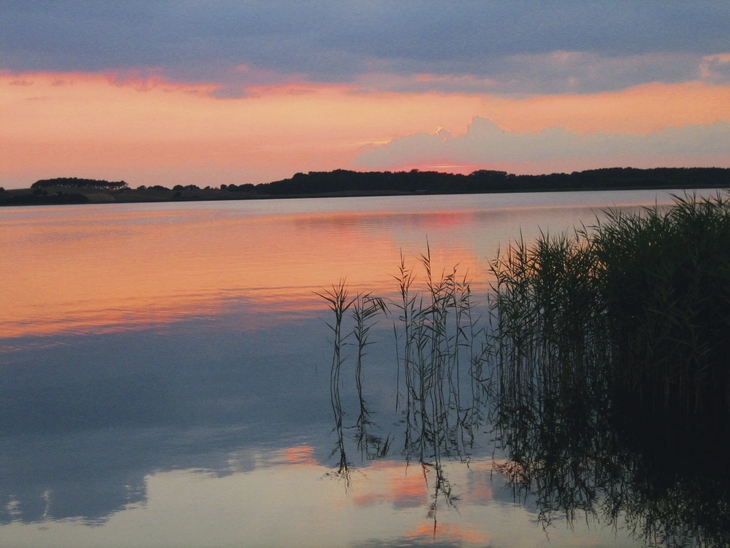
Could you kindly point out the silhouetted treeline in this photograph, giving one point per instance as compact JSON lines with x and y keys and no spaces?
{"x":43,"y":198}
{"x":80,"y":183}
{"x":355,"y":183}
{"x":247,"y":187}
{"x":343,"y":181}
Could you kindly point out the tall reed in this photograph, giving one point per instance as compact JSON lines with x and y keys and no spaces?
{"x":437,"y":350}
{"x":638,"y":305}
{"x":435,"y":334}
{"x":338,"y":301}
{"x":605,"y":349}
{"x":365,"y":310}
{"x":664,"y":281}
{"x":610,"y":347}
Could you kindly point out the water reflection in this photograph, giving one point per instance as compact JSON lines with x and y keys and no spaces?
{"x":84,"y":424}
{"x":165,"y":377}
{"x":580,"y":458}
{"x":95,"y":269}
{"x":536,"y":377}
{"x":612,"y":395}
{"x":99,"y":269}
{"x":440,"y":390}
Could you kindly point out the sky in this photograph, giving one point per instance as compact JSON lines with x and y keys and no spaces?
{"x":232,"y":92}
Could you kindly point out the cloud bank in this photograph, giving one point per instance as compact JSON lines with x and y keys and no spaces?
{"x":491,"y":46}
{"x":486,"y":145}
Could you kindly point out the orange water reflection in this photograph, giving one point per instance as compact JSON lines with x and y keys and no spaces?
{"x":454,"y":532}
{"x":398,"y":485}
{"x":94,"y":269}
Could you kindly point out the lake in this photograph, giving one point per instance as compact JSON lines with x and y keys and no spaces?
{"x":166,"y":375}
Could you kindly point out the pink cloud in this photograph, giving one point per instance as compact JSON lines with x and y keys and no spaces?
{"x":487,"y":145}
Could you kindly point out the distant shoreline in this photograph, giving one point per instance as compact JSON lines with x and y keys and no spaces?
{"x":341,"y":183}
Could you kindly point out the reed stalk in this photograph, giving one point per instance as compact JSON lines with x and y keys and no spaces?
{"x":338,"y":301}
{"x":605,"y":349}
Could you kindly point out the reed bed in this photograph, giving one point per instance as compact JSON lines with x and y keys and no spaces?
{"x":610,"y":347}
{"x":639,"y":306}
{"x":664,"y":285}
{"x":603,"y":351}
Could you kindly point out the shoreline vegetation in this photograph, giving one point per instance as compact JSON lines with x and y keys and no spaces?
{"x":344,"y":183}
{"x":600,"y":369}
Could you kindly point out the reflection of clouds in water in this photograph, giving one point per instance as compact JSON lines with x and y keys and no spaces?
{"x":480,"y":484}
{"x":253,"y":309}
{"x":231,"y":391}
{"x":394,"y":484}
{"x":86,"y":422}
{"x":298,"y":455}
{"x":301,"y":455}
{"x":91,"y":476}
{"x":86,"y":477}
{"x":447,"y":535}
{"x":183,"y":377}
{"x":450,"y":532}
{"x":407,"y":490}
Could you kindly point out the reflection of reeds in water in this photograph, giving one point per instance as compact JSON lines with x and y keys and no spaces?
{"x":610,"y":351}
{"x":435,"y":332}
{"x":365,"y":310}
{"x":435,"y":337}
{"x":339,"y":302}
{"x":434,"y":343}
{"x":605,"y":360}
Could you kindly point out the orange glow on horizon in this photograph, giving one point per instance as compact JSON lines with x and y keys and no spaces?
{"x":638,"y":110}
{"x":156,"y":132}
{"x":81,"y":124}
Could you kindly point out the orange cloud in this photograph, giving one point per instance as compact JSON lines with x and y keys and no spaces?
{"x":641,"y":109}
{"x":145,"y":130}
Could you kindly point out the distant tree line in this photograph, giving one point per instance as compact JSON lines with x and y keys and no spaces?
{"x":415,"y":181}
{"x":75,"y":182}
{"x":247,"y":187}
{"x":41,"y":197}
{"x":342,"y":182}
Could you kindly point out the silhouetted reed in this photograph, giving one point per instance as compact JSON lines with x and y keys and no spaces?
{"x":435,"y":349}
{"x":664,"y":281}
{"x":639,"y":306}
{"x":438,"y":348}
{"x":365,"y":310}
{"x":602,"y":365}
{"x":610,"y":352}
{"x":339,"y":302}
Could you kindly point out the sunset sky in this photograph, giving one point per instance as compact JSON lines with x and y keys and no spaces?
{"x":220,"y":92}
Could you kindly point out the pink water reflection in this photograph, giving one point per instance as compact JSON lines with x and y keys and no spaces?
{"x":98,"y":269}
{"x":92,"y":269}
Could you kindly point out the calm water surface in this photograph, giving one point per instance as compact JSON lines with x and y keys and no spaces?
{"x":165,"y":379}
